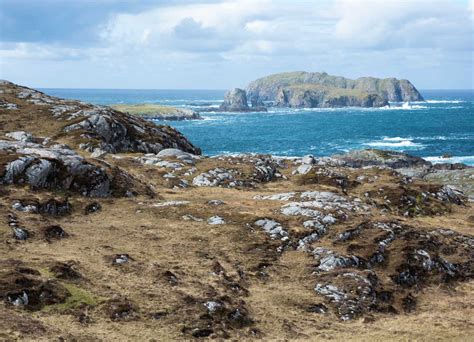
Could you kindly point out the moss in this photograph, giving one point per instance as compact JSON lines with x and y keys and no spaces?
{"x":78,"y":297}
{"x":45,"y":272}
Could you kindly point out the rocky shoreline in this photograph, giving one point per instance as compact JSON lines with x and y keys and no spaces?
{"x":115,"y":228}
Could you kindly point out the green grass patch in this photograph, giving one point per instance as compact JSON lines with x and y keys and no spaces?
{"x":147,"y":109}
{"x":77,"y":298}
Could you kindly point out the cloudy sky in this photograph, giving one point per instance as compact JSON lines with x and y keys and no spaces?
{"x":224,"y":43}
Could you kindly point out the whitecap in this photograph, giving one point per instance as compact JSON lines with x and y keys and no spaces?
{"x":443,"y":101}
{"x":395,"y":139}
{"x":395,"y":143}
{"x":469,"y":160}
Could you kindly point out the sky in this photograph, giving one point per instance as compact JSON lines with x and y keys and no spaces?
{"x":220,"y":44}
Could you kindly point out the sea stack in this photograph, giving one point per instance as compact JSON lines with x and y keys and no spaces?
{"x":235,"y":100}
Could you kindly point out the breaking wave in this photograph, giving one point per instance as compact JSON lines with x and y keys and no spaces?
{"x":469,"y":160}
{"x":395,"y":142}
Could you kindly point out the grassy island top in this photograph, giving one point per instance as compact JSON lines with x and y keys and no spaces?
{"x":330,"y":91}
{"x":148,"y":109}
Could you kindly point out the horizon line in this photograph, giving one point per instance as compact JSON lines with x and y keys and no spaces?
{"x":216,"y":89}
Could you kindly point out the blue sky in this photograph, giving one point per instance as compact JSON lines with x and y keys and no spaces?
{"x":222,"y":44}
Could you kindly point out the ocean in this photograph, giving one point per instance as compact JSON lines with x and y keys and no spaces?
{"x":440,"y":127}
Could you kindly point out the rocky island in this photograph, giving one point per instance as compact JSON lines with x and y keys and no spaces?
{"x":306,"y":89}
{"x":115,"y":228}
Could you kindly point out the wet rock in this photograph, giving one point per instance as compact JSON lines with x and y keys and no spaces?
{"x":216,"y":220}
{"x":92,"y":208}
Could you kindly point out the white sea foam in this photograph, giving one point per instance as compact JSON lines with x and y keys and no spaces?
{"x":443,"y":101}
{"x":395,"y":142}
{"x":396,"y":139}
{"x":469,"y":160}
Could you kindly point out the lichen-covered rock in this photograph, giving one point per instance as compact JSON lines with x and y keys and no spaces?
{"x":242,"y":171}
{"x":58,"y":167}
{"x":273,"y":228}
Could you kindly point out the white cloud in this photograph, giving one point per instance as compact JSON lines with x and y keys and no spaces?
{"x":245,"y":38}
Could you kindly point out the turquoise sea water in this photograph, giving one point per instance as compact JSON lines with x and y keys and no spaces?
{"x":443,"y":125}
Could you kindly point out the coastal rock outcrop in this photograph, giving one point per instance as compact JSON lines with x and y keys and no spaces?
{"x":57,"y":167}
{"x":390,"y":89}
{"x":235,"y":100}
{"x":90,"y":127}
{"x":392,"y":159}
